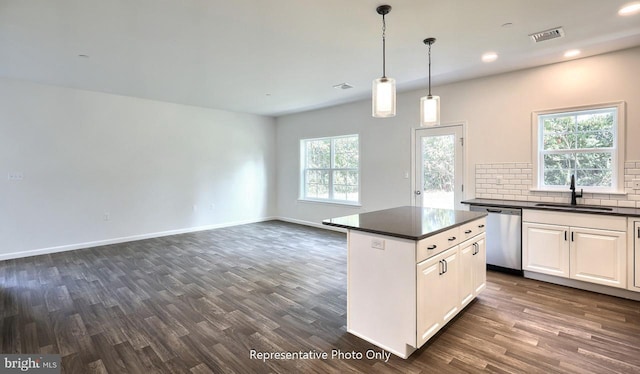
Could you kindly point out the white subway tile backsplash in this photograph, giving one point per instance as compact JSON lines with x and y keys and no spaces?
{"x":516,"y":181}
{"x":609,"y":202}
{"x":627,"y":204}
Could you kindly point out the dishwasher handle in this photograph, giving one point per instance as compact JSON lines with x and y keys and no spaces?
{"x":494,"y":210}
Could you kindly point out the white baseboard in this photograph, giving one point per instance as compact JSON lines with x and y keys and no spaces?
{"x":97,"y":243}
{"x":311,"y":223}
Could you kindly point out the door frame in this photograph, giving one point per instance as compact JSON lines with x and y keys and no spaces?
{"x":413,"y":164}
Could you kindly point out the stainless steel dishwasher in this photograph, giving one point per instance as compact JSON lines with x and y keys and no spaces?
{"x":504,"y":238}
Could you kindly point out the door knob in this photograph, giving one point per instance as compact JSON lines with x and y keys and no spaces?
{"x":418,"y":192}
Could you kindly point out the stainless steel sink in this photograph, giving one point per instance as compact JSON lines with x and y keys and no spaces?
{"x":575,"y":207}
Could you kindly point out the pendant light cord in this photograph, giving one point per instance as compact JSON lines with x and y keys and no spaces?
{"x":384,"y":47}
{"x":430,"y":69}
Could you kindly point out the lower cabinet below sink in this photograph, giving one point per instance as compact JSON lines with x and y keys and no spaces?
{"x":584,"y":247}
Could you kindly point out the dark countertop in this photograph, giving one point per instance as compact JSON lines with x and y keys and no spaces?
{"x":588,"y":209}
{"x":407,"y":222}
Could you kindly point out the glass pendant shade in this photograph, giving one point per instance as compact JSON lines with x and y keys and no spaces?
{"x":429,"y":111}
{"x":384,"y":98}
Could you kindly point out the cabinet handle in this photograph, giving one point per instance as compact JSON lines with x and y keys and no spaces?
{"x":440,"y":267}
{"x":638,"y":232}
{"x":452,"y":238}
{"x":477,"y":248}
{"x":432,"y":247}
{"x":480,"y":226}
{"x":468,"y":232}
{"x":446,"y":266}
{"x":565,"y":235}
{"x":571,"y":235}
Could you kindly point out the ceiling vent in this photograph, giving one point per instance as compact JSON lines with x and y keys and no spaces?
{"x":556,"y":32}
{"x":343,"y":86}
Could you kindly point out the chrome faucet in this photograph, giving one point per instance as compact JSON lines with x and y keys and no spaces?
{"x":573,"y":190}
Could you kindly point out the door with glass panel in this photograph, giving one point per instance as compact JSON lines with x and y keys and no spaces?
{"x":438,"y":173}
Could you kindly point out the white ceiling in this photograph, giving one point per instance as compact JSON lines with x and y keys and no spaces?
{"x":283,"y":56}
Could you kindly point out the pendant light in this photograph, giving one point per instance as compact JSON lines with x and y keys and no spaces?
{"x":429,"y":105}
{"x":384,"y":89}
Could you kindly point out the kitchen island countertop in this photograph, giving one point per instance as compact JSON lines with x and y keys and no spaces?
{"x":407,"y":222}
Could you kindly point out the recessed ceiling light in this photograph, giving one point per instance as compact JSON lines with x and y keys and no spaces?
{"x":572,"y":53}
{"x":489,"y":57}
{"x":630,"y":9}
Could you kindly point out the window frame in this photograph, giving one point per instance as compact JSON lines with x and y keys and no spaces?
{"x":302,"y":177}
{"x":618,"y":153}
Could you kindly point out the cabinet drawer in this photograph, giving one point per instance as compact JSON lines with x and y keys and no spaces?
{"x":596,"y":221}
{"x":471,"y":229}
{"x":435,"y":244}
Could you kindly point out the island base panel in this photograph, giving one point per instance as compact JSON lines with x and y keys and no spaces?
{"x":381,"y":302}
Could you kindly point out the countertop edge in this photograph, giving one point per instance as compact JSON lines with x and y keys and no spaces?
{"x":518,"y":204}
{"x":408,"y":237}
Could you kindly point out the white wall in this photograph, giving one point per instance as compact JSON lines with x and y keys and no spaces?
{"x":144,"y":162}
{"x":498,"y":113}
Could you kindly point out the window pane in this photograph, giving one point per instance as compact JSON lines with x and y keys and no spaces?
{"x":559,"y":124}
{"x":346,"y":153}
{"x":345,"y":185}
{"x":317,"y":184}
{"x":595,"y":122}
{"x":318,"y":153}
{"x":559,"y":141}
{"x":593,"y":178}
{"x":600,"y":161}
{"x":557,"y":169}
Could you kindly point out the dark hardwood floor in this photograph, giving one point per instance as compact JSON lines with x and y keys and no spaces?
{"x":199,"y":303}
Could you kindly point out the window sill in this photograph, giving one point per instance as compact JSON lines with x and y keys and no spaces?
{"x":330,"y":202}
{"x":600,"y":192}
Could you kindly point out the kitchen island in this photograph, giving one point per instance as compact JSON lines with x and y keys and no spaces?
{"x":410,"y":270}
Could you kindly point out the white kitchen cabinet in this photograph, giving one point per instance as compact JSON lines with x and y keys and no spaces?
{"x":636,"y":252}
{"x":583,"y":247}
{"x":634,"y":255}
{"x":480,"y":265}
{"x":545,"y":249}
{"x":598,"y":256}
{"x":473,"y":264}
{"x":437,"y":297}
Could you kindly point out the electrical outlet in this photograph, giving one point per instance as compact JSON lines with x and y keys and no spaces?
{"x":499,"y":179}
{"x":377,"y":243}
{"x":636,"y":184}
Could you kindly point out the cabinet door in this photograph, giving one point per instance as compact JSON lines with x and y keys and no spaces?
{"x":467,"y":265}
{"x":545,"y":249}
{"x":480,"y":265}
{"x":599,"y":256}
{"x":450,"y":284}
{"x":429,"y":307}
{"x":438,"y":298}
{"x":636,"y":235}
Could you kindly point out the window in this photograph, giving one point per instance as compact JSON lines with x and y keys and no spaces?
{"x":585,"y":142}
{"x":330,"y":169}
